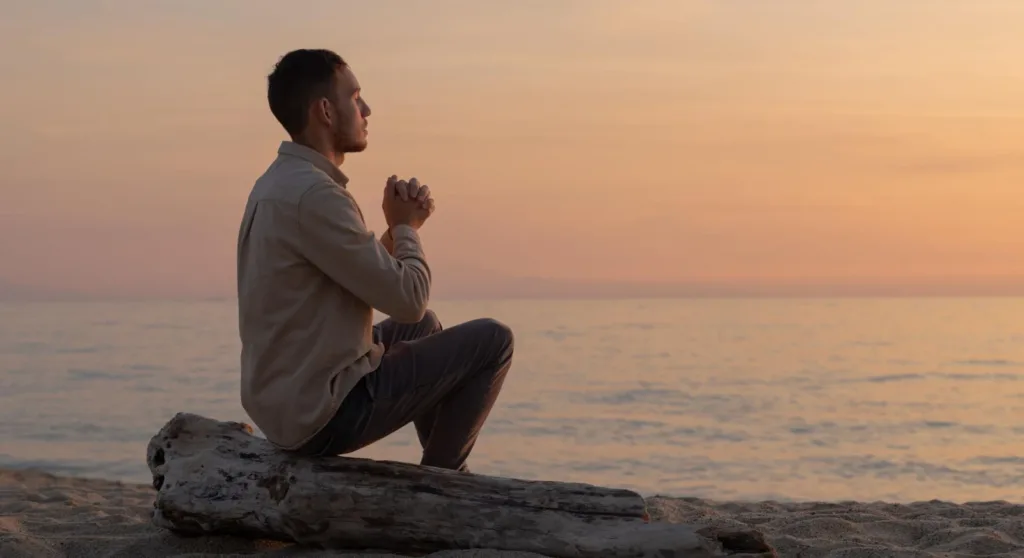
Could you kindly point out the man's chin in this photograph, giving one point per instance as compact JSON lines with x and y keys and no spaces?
{"x":356,"y":147}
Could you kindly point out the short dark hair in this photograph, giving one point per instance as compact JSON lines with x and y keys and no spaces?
{"x":298,"y":78}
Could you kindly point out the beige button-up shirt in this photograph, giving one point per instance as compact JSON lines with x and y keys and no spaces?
{"x":309,"y":276}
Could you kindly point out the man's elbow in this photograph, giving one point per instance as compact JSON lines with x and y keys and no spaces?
{"x":406,"y":301}
{"x":411,"y":312}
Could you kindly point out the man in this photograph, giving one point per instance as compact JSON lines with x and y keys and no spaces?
{"x":317,"y":376}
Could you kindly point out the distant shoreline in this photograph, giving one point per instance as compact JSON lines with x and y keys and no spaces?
{"x":567,"y":297}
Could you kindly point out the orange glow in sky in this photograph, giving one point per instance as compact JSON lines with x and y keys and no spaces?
{"x":572,"y":145}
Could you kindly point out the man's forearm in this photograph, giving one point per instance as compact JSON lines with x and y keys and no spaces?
{"x":335,"y":239}
{"x":388,"y":241}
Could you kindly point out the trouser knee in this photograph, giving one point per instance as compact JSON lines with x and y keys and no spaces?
{"x":498,"y":336}
{"x":430,"y":322}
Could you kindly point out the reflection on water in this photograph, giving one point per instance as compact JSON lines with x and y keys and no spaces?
{"x":903,"y":399}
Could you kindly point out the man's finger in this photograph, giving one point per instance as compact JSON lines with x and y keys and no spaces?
{"x":414,"y":188}
{"x":402,"y":189}
{"x":424,"y":193}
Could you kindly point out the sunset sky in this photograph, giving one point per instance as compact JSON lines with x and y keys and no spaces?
{"x":573,"y":146}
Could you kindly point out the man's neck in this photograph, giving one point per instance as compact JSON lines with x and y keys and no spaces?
{"x":322,"y":147}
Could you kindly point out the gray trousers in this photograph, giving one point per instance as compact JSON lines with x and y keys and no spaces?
{"x":445,"y":381}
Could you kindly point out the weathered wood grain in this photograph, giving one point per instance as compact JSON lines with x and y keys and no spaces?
{"x":215,"y":477}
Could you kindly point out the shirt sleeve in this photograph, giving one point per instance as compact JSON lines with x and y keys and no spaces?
{"x":335,"y":239}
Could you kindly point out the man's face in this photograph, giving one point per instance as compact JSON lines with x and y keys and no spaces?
{"x":348,"y":128}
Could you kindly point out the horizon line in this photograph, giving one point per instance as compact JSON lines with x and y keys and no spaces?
{"x":73,"y":298}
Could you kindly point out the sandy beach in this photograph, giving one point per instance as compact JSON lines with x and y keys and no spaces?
{"x":42,"y":515}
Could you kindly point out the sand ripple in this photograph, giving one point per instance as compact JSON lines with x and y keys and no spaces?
{"x":861,"y":530}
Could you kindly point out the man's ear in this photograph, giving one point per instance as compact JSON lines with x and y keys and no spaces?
{"x":322,"y":111}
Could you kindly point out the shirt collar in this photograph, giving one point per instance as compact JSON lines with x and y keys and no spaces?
{"x":315,"y":157}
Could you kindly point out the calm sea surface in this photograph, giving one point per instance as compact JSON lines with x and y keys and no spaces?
{"x":893,"y":399}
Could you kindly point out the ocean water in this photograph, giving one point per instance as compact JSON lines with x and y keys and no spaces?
{"x":865,"y":399}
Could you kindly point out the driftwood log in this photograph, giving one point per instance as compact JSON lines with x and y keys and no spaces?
{"x":215,"y":477}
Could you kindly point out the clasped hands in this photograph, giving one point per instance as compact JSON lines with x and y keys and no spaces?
{"x":406,"y":202}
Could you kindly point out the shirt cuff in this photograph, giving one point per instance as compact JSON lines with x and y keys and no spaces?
{"x":406,"y":232}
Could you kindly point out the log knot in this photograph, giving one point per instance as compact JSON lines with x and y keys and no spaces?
{"x":277,"y":486}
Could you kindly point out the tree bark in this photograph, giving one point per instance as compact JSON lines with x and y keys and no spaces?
{"x":215,"y":477}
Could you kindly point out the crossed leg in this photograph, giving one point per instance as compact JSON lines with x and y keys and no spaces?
{"x":444,"y":381}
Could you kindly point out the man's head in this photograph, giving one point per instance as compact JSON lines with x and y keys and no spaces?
{"x":316,"y":98}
